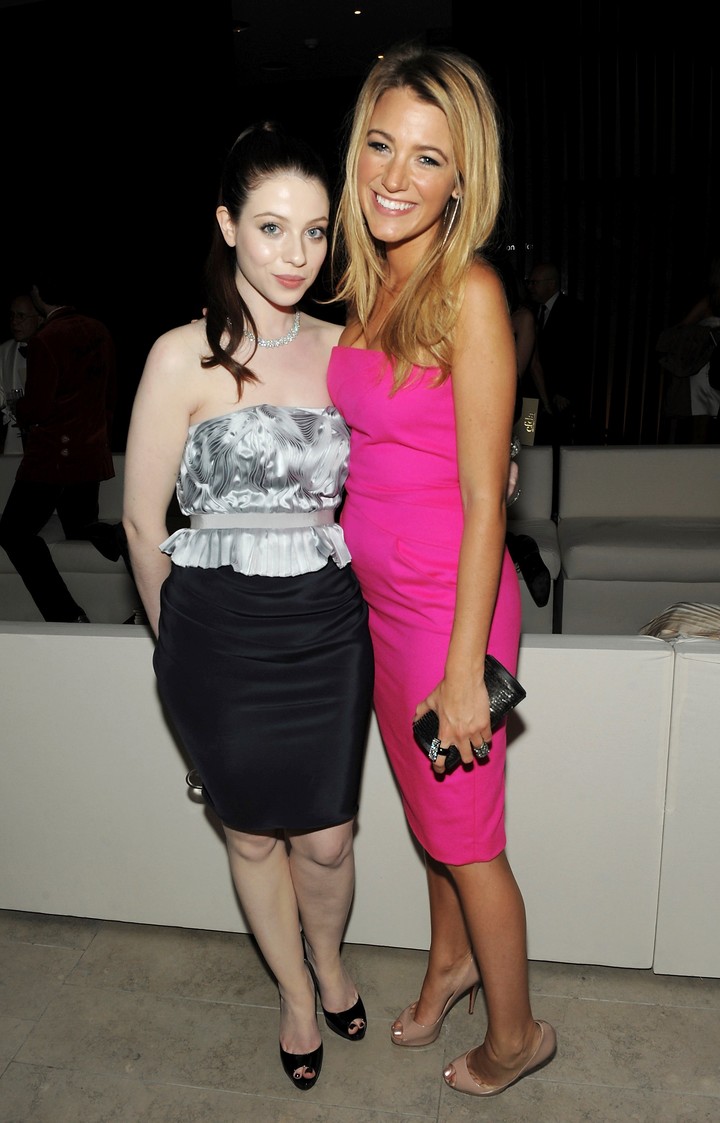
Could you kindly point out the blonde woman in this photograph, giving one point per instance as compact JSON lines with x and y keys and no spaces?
{"x":425,"y":376}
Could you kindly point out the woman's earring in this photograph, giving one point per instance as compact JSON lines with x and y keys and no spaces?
{"x":450,"y":222}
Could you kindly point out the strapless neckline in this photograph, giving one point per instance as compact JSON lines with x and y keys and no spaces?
{"x":262,"y":405}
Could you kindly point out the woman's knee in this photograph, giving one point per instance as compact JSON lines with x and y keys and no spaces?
{"x":329,"y":848}
{"x":251,"y":847}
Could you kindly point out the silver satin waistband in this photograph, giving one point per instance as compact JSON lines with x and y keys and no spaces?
{"x":251,"y":520}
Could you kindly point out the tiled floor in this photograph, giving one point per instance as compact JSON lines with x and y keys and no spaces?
{"x":102,"y":1022}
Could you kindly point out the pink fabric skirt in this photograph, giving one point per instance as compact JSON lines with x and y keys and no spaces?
{"x":459,"y":818}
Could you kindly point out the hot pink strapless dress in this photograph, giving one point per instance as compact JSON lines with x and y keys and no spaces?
{"x":403,"y":519}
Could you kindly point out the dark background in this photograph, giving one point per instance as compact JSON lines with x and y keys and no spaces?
{"x":117,"y":118}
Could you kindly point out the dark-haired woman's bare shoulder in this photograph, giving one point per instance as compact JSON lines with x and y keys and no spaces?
{"x":176,"y":354}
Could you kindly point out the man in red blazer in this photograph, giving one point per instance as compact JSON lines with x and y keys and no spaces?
{"x":66,"y":413}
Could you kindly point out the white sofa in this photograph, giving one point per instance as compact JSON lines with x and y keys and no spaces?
{"x":616,"y":855}
{"x":107,"y":594}
{"x":104,"y":588}
{"x":639,"y":530}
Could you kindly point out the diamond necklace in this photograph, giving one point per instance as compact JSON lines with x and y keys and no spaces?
{"x":276,"y":342}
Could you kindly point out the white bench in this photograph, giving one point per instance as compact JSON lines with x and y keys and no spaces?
{"x":593,"y":837}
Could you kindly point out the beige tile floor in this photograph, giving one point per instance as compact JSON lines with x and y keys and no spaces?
{"x":103,"y":1022}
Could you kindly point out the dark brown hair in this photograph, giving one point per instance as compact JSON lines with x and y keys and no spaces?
{"x":260,"y":152}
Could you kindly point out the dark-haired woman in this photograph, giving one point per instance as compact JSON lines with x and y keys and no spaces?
{"x":263,"y":657}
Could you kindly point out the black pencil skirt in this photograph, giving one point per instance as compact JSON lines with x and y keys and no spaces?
{"x":268,"y":682}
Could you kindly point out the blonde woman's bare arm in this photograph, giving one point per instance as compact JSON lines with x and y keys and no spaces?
{"x":484,"y":386}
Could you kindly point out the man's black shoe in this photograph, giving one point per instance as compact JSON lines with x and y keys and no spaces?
{"x":528,"y":562}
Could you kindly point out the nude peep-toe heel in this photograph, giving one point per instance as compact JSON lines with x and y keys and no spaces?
{"x":458,"y":1076}
{"x":413,"y":1034}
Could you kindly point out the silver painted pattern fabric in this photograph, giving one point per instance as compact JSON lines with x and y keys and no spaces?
{"x":263,"y":459}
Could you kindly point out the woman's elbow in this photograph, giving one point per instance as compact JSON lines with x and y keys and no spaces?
{"x":134,"y":527}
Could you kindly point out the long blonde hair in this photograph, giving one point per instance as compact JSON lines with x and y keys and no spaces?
{"x":420,"y":327}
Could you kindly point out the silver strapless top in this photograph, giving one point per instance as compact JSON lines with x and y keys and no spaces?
{"x":263,"y":460}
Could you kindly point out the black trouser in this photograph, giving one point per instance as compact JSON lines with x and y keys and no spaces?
{"x":28,"y":508}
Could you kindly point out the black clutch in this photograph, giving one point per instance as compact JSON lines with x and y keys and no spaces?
{"x":504,"y":692}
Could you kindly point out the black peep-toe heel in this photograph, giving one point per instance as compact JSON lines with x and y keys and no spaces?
{"x":341,"y":1023}
{"x":295,"y":1063}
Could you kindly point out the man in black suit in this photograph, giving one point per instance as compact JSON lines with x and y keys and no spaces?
{"x":561,"y":343}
